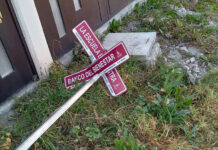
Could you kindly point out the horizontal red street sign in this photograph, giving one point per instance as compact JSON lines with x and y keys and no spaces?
{"x":95,"y":50}
{"x":110,"y":60}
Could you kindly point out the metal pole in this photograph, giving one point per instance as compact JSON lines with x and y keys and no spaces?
{"x":57,"y":114}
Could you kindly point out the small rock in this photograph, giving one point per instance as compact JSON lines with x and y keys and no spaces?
{"x":187,"y":61}
{"x":212,"y":23}
{"x":174,"y":54}
{"x":191,"y":77}
{"x":212,"y":133}
{"x":181,"y":11}
{"x":186,"y":67}
{"x":196,"y":69}
{"x":192,"y":60}
{"x":183,"y":49}
{"x":149,"y":19}
{"x":194,"y":51}
{"x":181,"y":44}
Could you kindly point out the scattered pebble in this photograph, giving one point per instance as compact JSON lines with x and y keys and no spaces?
{"x":181,"y":11}
{"x":149,"y":19}
{"x":192,"y":59}
{"x":183,"y":49}
{"x":180,"y":54}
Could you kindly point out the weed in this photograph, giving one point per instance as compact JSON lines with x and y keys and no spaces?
{"x":171,"y":81}
{"x":93,"y":133}
{"x":167,"y":110}
{"x":128,"y":142}
{"x":190,"y":134}
{"x":114,"y":26}
{"x":5,"y":141}
{"x":75,"y":130}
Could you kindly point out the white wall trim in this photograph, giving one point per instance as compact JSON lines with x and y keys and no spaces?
{"x":31,"y":27}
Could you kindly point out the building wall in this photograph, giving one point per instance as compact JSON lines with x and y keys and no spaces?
{"x":36,"y":36}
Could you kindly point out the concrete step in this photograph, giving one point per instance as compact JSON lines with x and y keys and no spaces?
{"x":142,"y":44}
{"x":138,"y":44}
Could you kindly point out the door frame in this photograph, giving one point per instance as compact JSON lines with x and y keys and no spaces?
{"x":21,"y":36}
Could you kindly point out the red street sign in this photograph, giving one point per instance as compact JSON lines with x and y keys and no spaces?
{"x":95,"y":50}
{"x":110,"y":60}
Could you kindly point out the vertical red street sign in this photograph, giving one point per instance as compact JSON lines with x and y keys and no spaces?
{"x":95,"y":50}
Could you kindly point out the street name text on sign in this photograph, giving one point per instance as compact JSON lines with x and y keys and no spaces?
{"x":108,"y":61}
{"x":95,"y":50}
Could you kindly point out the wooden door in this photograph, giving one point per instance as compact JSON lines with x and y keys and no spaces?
{"x":15,"y":69}
{"x":58,"y":17}
{"x":117,"y":5}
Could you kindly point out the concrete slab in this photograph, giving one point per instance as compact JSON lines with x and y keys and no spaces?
{"x":155,"y":53}
{"x":138,"y":44}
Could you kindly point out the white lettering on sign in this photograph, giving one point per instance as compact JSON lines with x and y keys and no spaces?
{"x":83,"y":31}
{"x":90,"y":40}
{"x":89,"y":73}
{"x":103,"y":63}
{"x":112,"y":76}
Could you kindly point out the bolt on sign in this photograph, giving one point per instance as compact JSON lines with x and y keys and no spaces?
{"x":95,"y":50}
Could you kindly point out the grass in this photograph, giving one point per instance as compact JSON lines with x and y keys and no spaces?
{"x":194,"y":29}
{"x":161,"y":110}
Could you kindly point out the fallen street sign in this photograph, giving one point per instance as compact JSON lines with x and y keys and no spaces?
{"x":95,"y":50}
{"x":110,"y":60}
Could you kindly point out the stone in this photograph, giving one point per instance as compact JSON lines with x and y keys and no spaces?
{"x":183,"y":49}
{"x":138,"y":44}
{"x":187,"y":61}
{"x":149,"y":19}
{"x":196,"y":69}
{"x":181,"y":11}
{"x":191,"y":77}
{"x":194,"y":51}
{"x":174,"y":54}
{"x":213,"y":23}
{"x":186,"y":67}
{"x":192,"y":60}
